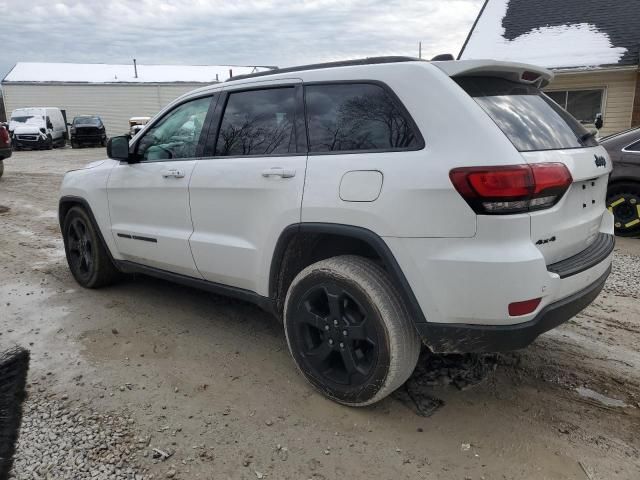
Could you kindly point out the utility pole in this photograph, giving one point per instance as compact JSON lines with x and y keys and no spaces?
{"x":420,"y":50}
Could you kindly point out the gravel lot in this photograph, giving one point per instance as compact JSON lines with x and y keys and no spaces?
{"x":152,"y":380}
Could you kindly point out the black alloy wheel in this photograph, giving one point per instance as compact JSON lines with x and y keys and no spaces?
{"x":623,"y":200}
{"x":87,"y":256}
{"x":81,"y":248}
{"x":337,"y":335}
{"x":348,"y":330}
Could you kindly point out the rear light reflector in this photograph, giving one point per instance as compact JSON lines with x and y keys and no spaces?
{"x":517,"y":309}
{"x":511,"y":189}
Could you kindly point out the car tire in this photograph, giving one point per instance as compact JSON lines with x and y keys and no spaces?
{"x":74,"y":145}
{"x":87,"y":256}
{"x":349,"y":331}
{"x":623,"y":200}
{"x":49,"y":144}
{"x":1,"y":167}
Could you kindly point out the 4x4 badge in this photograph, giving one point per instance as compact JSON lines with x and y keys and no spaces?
{"x":600,"y":161}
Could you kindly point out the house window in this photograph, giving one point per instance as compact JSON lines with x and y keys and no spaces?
{"x":582,"y":104}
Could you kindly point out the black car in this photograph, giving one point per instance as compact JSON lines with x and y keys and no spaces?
{"x":88,"y":130}
{"x":623,"y":194}
{"x":5,"y":146}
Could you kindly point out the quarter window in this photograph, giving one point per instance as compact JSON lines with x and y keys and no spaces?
{"x":634,"y":147}
{"x":258,"y":122}
{"x":177,"y":134}
{"x":351,"y":117}
{"x":584,"y":105}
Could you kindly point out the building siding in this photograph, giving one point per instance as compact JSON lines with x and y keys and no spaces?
{"x":619,"y":94}
{"x":115,"y":103}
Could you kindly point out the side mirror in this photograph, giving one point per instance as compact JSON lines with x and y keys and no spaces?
{"x":598,"y":121}
{"x":118,"y":148}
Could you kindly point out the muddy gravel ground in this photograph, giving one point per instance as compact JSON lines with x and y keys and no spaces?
{"x":148,"y":379}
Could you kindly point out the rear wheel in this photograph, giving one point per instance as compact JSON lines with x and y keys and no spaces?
{"x":623,"y":200}
{"x":87,"y":257}
{"x":349,"y":331}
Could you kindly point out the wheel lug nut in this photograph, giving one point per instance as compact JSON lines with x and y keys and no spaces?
{"x":341,"y":345}
{"x":335,"y":322}
{"x":326,"y":327}
{"x":344,"y":333}
{"x":331,"y":341}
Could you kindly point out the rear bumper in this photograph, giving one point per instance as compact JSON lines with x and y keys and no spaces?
{"x":452,"y":338}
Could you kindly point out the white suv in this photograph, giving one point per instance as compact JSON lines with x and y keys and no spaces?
{"x":373,"y":205}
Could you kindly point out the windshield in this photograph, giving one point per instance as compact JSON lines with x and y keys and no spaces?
{"x":27,"y":119}
{"x":86,"y":121}
{"x":530,"y":119}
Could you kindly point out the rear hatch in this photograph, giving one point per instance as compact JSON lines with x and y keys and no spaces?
{"x":544,"y":133}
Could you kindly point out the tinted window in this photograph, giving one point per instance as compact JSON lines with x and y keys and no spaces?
{"x":634,"y":147}
{"x":177,"y":134}
{"x":356,"y":117}
{"x":530,"y":119}
{"x":258,"y":122}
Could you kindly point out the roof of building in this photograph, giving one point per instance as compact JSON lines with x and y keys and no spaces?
{"x":107,"y":73}
{"x":568,"y":34}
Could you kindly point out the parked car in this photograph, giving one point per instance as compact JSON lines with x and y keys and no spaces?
{"x":136,"y":124}
{"x":446,"y":203}
{"x":88,"y":130}
{"x":38,"y":127}
{"x":5,"y":146}
{"x":623,"y":196}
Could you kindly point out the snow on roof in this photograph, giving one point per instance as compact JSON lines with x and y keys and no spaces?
{"x":542,"y":41}
{"x":106,"y":73}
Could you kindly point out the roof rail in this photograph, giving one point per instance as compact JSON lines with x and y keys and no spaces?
{"x":319,"y":66}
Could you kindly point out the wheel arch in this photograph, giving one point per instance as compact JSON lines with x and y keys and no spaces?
{"x":66,"y":203}
{"x":301,"y":244}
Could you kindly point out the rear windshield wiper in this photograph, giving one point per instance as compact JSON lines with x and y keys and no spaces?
{"x":588,"y":135}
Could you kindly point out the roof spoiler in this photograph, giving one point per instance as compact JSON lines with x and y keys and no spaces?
{"x":516,"y":72}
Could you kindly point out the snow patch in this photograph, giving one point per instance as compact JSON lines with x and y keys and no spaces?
{"x":106,"y":73}
{"x":576,"y":45}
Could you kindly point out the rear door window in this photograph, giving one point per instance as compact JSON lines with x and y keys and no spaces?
{"x":356,"y":117}
{"x":258,"y":122}
{"x":530,"y":119}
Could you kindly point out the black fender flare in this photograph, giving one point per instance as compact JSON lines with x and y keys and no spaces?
{"x":358,"y":233}
{"x":75,"y":200}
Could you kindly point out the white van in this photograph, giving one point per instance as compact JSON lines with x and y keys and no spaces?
{"x":38,"y":127}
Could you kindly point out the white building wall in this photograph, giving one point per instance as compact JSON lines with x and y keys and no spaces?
{"x":115,"y":103}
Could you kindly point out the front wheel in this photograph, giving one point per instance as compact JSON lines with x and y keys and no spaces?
{"x":349,"y":331}
{"x":49,"y":144}
{"x":87,"y":257}
{"x":623,"y":200}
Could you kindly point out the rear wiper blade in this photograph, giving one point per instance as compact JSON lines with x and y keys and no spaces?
{"x":588,"y":135}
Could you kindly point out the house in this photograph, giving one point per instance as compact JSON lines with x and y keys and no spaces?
{"x":115,"y":92}
{"x":592,"y":46}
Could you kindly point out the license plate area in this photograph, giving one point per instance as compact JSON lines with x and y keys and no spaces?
{"x":590,"y":194}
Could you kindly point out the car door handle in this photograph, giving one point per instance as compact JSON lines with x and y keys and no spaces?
{"x":173,"y":173}
{"x":279,"y":172}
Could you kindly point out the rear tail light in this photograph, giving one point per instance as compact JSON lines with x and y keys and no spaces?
{"x":502,"y":190}
{"x":4,"y":135}
{"x":517,"y":309}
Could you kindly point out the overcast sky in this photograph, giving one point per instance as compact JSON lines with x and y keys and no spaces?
{"x":235,"y":32}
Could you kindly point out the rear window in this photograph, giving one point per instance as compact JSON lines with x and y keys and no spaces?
{"x":530,"y":119}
